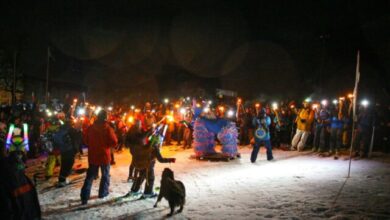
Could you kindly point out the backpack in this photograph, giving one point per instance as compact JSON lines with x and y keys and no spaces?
{"x":142,"y":156}
{"x":142,"y":153}
{"x":62,"y":140}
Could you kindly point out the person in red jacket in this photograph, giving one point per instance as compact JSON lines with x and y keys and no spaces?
{"x":100,"y":137}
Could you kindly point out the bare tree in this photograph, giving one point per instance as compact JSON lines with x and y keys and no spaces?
{"x":10,"y":75}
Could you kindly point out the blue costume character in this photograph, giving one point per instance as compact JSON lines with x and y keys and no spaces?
{"x":204,"y":135}
{"x":262,"y":136}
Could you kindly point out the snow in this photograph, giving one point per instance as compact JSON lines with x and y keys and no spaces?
{"x":298,"y":185}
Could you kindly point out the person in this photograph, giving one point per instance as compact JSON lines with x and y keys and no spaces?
{"x":262,"y":135}
{"x":54,"y":154}
{"x":145,"y":154}
{"x":65,"y":139}
{"x":363,"y":132}
{"x":133,"y":138}
{"x":18,"y":196}
{"x":336,"y":129}
{"x":304,"y":122}
{"x":321,"y":135}
{"x":100,"y":138}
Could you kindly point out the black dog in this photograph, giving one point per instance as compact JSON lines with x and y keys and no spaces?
{"x":172,"y":190}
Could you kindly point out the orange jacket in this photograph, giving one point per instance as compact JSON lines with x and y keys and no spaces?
{"x":305,"y":119}
{"x":100,"y":137}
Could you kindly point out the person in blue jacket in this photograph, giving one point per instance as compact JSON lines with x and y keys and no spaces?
{"x":336,"y":130}
{"x":262,"y":135}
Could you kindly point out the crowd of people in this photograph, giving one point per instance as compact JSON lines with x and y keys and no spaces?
{"x":62,"y":131}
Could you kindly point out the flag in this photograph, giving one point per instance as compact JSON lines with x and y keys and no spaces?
{"x":355,"y":91}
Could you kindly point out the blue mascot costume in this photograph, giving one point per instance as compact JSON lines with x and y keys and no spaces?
{"x":204,"y":133}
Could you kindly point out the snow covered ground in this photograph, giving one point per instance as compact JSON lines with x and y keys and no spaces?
{"x":295,"y":186}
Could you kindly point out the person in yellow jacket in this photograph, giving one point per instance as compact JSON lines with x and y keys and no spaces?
{"x":304,"y":122}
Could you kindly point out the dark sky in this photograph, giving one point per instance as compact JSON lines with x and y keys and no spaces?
{"x":257,"y":48}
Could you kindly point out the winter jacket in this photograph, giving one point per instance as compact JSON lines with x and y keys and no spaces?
{"x":305,"y":119}
{"x":100,"y":137}
{"x":18,"y":196}
{"x":259,"y":124}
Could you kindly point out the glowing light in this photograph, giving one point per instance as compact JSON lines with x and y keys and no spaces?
{"x":49,"y":114}
{"x":210,"y":102}
{"x":55,"y":112}
{"x":170,"y":118}
{"x":206,"y":110}
{"x":188,"y":98}
{"x":239,"y":100}
{"x":308,"y":99}
{"x":335,"y":101}
{"x":132,"y":107}
{"x":274,"y":106}
{"x":109,"y":108}
{"x":350,"y":96}
{"x":98,"y":109}
{"x":183,"y":111}
{"x":9,"y":136}
{"x":74,"y":100}
{"x":25,"y":137}
{"x":230,"y":113}
{"x":166,"y":101}
{"x":153,"y":111}
{"x":82,"y":118}
{"x":131,"y":119}
{"x":154,"y":125}
{"x":177,"y":106}
{"x":137,"y":110}
{"x":86,"y":103}
{"x":324,"y":102}
{"x":292,"y":106}
{"x":221,"y":108}
{"x":365,"y":102}
{"x":315,"y":106}
{"x":257,"y":105}
{"x":81,"y":111}
{"x":198,"y":105}
{"x":342,"y":98}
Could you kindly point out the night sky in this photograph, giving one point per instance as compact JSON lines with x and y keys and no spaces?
{"x":127,"y":49}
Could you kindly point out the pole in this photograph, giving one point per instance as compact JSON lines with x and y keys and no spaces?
{"x":47,"y":75}
{"x":355,"y":93}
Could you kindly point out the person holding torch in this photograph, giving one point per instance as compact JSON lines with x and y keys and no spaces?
{"x":304,"y":122}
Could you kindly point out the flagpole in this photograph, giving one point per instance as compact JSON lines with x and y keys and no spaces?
{"x":47,"y":75}
{"x":354,"y":118}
